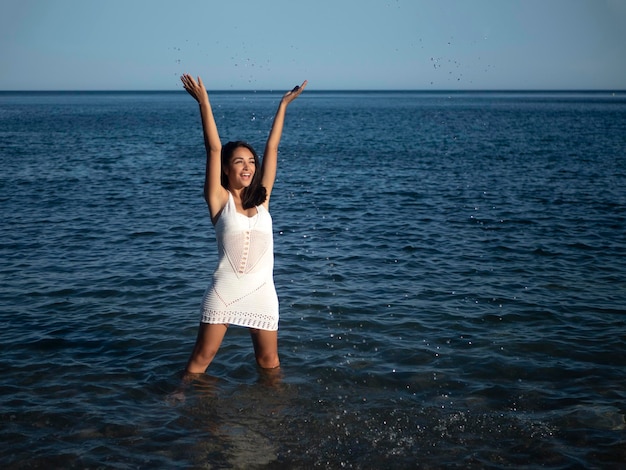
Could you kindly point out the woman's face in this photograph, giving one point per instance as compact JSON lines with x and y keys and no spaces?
{"x":241,"y":168}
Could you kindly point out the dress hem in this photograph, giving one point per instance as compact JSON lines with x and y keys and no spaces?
{"x":239,"y":320}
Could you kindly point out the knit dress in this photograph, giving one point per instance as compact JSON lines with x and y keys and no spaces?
{"x":242,"y":290}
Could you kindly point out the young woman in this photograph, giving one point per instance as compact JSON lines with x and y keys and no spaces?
{"x":237,"y":189}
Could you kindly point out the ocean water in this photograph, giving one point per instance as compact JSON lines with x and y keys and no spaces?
{"x":451,"y":269}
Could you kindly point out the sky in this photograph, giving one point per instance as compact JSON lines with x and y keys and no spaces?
{"x":335,"y":44}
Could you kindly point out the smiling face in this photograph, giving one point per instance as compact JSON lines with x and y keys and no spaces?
{"x":241,"y":168}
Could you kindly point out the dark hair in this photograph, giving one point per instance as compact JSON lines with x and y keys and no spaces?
{"x":255,"y":194}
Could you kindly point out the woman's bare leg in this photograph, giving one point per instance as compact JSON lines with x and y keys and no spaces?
{"x":265,"y":348}
{"x":208,"y":342}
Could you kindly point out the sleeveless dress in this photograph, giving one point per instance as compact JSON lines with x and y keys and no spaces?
{"x":242,"y":290}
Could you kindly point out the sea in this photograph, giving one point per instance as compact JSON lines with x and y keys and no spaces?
{"x":451,"y":270}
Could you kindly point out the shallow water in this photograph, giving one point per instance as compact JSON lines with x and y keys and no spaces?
{"x":450,"y":268}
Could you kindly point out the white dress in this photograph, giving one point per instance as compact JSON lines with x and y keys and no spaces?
{"x":242,"y":291}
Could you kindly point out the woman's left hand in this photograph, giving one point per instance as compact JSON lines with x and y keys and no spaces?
{"x":294,"y":93}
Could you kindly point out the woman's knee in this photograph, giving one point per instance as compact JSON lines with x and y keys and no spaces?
{"x":268,"y":360}
{"x":265,"y":348}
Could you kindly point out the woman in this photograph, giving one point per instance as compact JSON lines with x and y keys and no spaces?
{"x":237,"y":189}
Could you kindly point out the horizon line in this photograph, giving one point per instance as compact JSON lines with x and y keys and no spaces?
{"x":332,"y":90}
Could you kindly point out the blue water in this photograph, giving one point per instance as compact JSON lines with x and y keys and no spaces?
{"x":451,"y":271}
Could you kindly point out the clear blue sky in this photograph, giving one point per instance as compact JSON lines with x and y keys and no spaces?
{"x":335,"y":44}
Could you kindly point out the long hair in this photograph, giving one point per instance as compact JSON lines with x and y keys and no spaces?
{"x":255,"y":194}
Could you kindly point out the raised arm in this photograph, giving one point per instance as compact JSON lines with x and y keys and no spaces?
{"x":270,"y":156}
{"x":214,"y":193}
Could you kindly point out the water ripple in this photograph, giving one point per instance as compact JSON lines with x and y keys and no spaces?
{"x":450,"y":273}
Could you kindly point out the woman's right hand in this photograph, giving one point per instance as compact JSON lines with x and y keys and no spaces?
{"x":195,"y":89}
